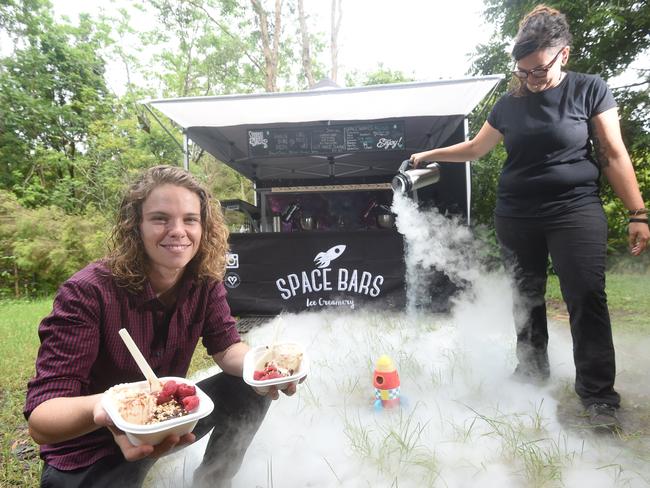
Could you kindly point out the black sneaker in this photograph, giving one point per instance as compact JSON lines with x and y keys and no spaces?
{"x":602,"y":417}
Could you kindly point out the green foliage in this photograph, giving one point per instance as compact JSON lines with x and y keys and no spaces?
{"x":43,"y":246}
{"x":634,"y":110}
{"x":607,"y":36}
{"x":209,"y":59}
{"x":485,"y":177}
{"x":9,"y":213}
{"x":49,"y":246}
{"x":51,"y":89}
{"x":219,"y":48}
{"x":380,"y":76}
{"x":223,"y":181}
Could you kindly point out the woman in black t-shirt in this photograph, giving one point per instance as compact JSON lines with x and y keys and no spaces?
{"x":548,"y":203}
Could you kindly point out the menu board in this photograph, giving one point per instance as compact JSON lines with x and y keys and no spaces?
{"x":328,"y":140}
{"x":386,"y":136}
{"x":271,"y":142}
{"x":331,"y":139}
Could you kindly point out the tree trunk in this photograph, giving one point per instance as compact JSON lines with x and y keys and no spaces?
{"x":242,"y":188}
{"x":187,"y":81}
{"x":277,"y":28}
{"x":270,"y":46}
{"x":304,"y":35}
{"x":16,"y":281}
{"x":336,"y":17}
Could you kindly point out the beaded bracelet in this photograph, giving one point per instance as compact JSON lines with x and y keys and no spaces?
{"x":638,"y":211}
{"x":633,"y":220}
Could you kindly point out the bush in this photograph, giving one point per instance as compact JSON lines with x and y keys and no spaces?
{"x":42,"y":247}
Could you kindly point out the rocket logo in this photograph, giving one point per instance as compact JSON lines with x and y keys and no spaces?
{"x":323,"y":259}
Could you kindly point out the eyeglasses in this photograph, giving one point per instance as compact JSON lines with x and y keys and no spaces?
{"x":536,"y":72}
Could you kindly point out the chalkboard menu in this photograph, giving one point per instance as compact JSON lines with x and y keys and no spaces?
{"x":331,"y":139}
{"x":328,"y":140}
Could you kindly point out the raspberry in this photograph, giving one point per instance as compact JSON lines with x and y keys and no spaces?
{"x":169,"y":388}
{"x":167,"y":393}
{"x":185,"y":390}
{"x":268,"y":373}
{"x":162,"y":398}
{"x":190,"y":403}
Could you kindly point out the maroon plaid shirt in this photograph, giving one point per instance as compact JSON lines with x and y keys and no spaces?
{"x":82,"y":353}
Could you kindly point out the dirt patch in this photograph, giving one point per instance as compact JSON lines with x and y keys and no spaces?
{"x":23,"y":447}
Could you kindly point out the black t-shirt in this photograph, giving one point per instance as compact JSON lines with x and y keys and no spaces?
{"x":549,"y":167}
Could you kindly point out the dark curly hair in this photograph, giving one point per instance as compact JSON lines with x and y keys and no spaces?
{"x":543,"y":27}
{"x":127,"y":259}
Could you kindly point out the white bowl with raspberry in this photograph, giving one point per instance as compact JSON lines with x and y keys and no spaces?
{"x":278,"y":365}
{"x":147,"y":418}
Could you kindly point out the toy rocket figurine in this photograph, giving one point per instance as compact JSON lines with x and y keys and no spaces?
{"x":386,"y":382}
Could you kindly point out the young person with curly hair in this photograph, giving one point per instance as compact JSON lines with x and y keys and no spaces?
{"x":162,"y":282}
{"x":548,"y":203}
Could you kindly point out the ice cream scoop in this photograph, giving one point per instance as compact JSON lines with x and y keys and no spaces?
{"x":278,"y":365}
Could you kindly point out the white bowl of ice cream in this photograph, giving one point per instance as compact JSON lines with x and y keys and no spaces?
{"x":278,"y":365}
{"x":134,"y":409}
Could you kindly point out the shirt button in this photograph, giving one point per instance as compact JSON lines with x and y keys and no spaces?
{"x":157,"y":354}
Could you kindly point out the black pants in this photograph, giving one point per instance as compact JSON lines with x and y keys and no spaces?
{"x":577,"y":244}
{"x":238,"y":413}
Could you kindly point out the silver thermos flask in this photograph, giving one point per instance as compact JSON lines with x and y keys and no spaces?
{"x":408,"y":180}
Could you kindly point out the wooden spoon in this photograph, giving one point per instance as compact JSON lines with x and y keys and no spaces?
{"x":154,"y":382}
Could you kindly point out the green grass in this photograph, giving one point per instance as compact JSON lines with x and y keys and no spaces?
{"x":20,"y":466}
{"x":627,"y":295}
{"x":18,"y":347}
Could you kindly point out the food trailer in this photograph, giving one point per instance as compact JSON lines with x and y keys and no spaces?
{"x":320,"y":233}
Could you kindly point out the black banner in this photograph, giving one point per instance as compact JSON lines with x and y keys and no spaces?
{"x":332,"y":139}
{"x":273,"y":272}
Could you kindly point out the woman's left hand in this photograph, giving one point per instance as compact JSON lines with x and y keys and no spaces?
{"x":639,"y":235}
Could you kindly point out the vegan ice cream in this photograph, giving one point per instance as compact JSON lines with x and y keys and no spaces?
{"x":278,"y":361}
{"x":138,"y":406}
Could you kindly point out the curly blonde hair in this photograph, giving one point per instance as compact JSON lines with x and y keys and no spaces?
{"x":127,"y":258}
